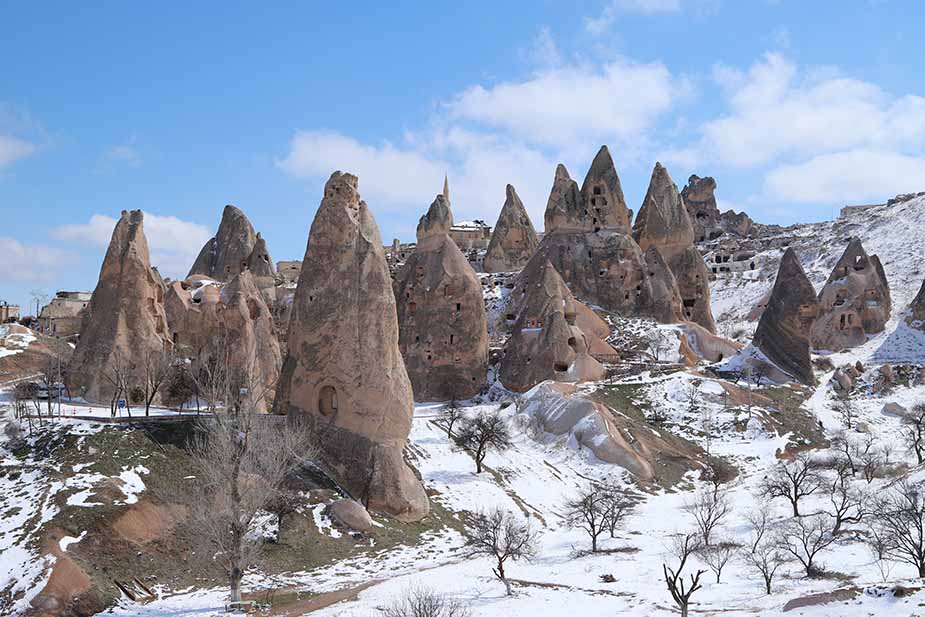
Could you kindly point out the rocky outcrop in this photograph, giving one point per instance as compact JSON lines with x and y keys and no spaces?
{"x":854,"y":302}
{"x":235,"y":248}
{"x":708,"y":223}
{"x":917,"y":309}
{"x":230,"y":324}
{"x":783,"y":333}
{"x":443,"y":334}
{"x":546,"y":340}
{"x":564,"y":208}
{"x":663,"y":222}
{"x":602,"y":195}
{"x":125,"y":318}
{"x":343,"y":371}
{"x":513,"y":240}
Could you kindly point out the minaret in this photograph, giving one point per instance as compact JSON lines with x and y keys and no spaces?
{"x":446,"y":188}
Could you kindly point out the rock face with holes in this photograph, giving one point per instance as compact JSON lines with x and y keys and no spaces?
{"x":235,"y":248}
{"x":513,"y":240}
{"x":230,"y":324}
{"x":599,"y":204}
{"x":547,"y":341}
{"x":343,"y":371}
{"x":783,"y":333}
{"x":125,"y":318}
{"x":854,"y":302}
{"x":708,"y":223}
{"x":663,"y":222}
{"x":443,"y":334}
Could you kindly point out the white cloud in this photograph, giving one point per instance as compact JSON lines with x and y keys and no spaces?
{"x":12,"y":149}
{"x":572,"y":105}
{"x":25,"y":262}
{"x":545,"y":52}
{"x":777,"y":111}
{"x":602,"y":23}
{"x":848,"y":177}
{"x":123,"y":153}
{"x":173,"y":242}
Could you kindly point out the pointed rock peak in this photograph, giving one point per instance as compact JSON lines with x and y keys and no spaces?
{"x":790,"y":266}
{"x":663,"y":220}
{"x":564,"y":210}
{"x":437,"y":221}
{"x":513,"y":240}
{"x":602,"y":195}
{"x":446,"y":187}
{"x":562,"y":172}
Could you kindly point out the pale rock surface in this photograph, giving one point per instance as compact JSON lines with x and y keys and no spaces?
{"x":513,"y":240}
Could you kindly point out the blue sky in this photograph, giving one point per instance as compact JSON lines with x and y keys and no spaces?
{"x":796,"y":108}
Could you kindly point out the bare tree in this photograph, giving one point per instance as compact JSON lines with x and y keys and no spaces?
{"x":619,"y":503}
{"x":870,"y":460}
{"x":119,"y":375}
{"x":848,"y":449}
{"x":682,"y":547}
{"x":241,"y":462}
{"x":483,"y":433}
{"x":501,"y":534}
{"x":759,"y":520}
{"x":914,"y":432}
{"x":846,"y":410}
{"x":899,"y":522}
{"x":793,"y":480}
{"x":658,"y":342}
{"x":849,"y":505}
{"x":588,"y":511}
{"x":766,"y":558}
{"x":423,"y":602}
{"x":717,"y":555}
{"x":284,"y":503}
{"x":157,"y":367}
{"x":709,"y":508}
{"x":805,"y":537}
{"x":450,"y":415}
{"x":878,"y":543}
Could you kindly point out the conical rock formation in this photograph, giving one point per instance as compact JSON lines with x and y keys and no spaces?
{"x":513,"y":240}
{"x":235,"y":247}
{"x":546,"y":340}
{"x":854,"y":302}
{"x":564,"y":209}
{"x":602,"y":194}
{"x":231,"y":325}
{"x":917,"y":309}
{"x":344,"y":372}
{"x":125,"y":319}
{"x":443,"y":334}
{"x":783,"y":333}
{"x":663,"y":222}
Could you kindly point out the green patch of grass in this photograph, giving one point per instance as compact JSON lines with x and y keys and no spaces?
{"x":628,"y":399}
{"x":788,"y":416}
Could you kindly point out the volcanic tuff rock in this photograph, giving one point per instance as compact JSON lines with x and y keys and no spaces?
{"x":232,"y":325}
{"x":234,"y":248}
{"x":513,"y":240}
{"x":124,"y":320}
{"x":854,"y":302}
{"x":343,"y":371}
{"x":663,"y":222}
{"x":443,"y":334}
{"x":917,"y":308}
{"x":603,"y":196}
{"x":546,"y":342}
{"x":783,"y":334}
{"x":564,"y":208}
{"x":708,"y":223}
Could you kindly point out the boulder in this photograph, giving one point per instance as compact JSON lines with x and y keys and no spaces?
{"x":124,"y":320}
{"x":343,"y":371}
{"x":783,"y":332}
{"x":843,"y":379}
{"x":894,"y":409}
{"x":854,"y":302}
{"x":513,"y":240}
{"x":663,"y":222}
{"x":351,"y":513}
{"x":546,"y":341}
{"x":443,"y":334}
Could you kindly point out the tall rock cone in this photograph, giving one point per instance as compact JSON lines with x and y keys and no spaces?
{"x":513,"y":240}
{"x":917,"y":309}
{"x":564,"y":209}
{"x":443,"y":333}
{"x":124,"y":320}
{"x":854,"y":302}
{"x":783,"y":333}
{"x":547,"y":341}
{"x":663,"y":222}
{"x":602,"y":195}
{"x":232,"y":250}
{"x":344,"y":372}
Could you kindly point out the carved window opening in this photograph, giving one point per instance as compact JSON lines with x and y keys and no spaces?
{"x":452,"y":338}
{"x":560,"y":367}
{"x":572,"y":342}
{"x":597,"y":190}
{"x":458,"y":306}
{"x":412,"y":307}
{"x":327,"y":401}
{"x":510,"y":317}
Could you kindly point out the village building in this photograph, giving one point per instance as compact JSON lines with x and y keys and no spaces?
{"x":289,"y":271}
{"x":8,"y":312}
{"x":470,"y":235}
{"x":61,"y":317}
